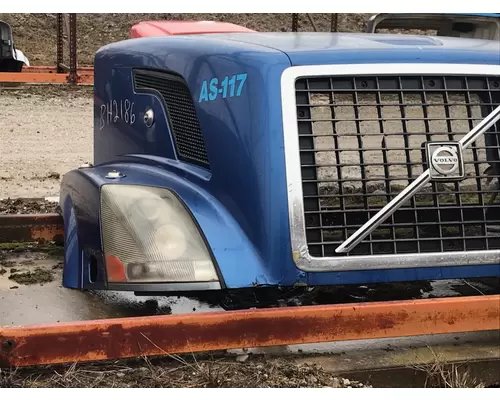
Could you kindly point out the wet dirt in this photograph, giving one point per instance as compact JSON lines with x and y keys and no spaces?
{"x":379,"y":292}
{"x":25,"y":248}
{"x":39,"y":275}
{"x":472,"y":287}
{"x":26,"y":267}
{"x":460,"y":375}
{"x":27,"y":206}
{"x":342,"y":294}
{"x":31,"y":292}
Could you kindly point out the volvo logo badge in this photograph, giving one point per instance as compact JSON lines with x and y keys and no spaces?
{"x":445,"y":161}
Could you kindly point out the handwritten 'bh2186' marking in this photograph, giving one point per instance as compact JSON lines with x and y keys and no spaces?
{"x":229,"y":87}
{"x":114,"y":110}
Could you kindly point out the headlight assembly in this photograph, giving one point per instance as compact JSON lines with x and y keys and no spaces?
{"x":148,"y":236}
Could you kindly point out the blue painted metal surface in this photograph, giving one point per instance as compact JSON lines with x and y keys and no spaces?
{"x":240,"y":203}
{"x":72,"y":255}
{"x":486,"y":15}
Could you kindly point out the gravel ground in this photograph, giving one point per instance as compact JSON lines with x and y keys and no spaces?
{"x":45,"y":133}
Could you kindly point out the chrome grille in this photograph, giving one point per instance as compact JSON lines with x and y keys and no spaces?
{"x":362,"y":141}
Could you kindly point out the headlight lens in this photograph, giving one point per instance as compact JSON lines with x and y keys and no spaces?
{"x":171,"y":240}
{"x":154,"y":237}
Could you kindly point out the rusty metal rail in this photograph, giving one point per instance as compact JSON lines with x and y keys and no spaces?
{"x":31,"y":228}
{"x":53,"y":70}
{"x":159,"y":335}
{"x":45,"y":74}
{"x":156,"y":335}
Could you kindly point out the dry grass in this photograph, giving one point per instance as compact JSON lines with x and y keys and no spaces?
{"x":174,"y":371}
{"x":442,"y":374}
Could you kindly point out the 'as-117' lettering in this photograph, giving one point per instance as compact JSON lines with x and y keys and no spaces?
{"x":113,"y":111}
{"x":230,"y":86}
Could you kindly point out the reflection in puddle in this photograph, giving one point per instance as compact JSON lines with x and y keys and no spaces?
{"x":127,"y":304}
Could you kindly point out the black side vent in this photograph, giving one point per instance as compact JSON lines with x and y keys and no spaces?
{"x":181,"y":114}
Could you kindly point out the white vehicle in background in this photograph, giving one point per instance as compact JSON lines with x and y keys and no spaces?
{"x":11,"y":59}
{"x":476,"y":26}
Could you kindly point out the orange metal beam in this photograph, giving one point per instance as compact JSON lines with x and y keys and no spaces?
{"x":157,"y":335}
{"x":39,"y":69}
{"x":31,"y":228}
{"x":47,"y":75}
{"x":53,"y":70}
{"x":32,"y":77}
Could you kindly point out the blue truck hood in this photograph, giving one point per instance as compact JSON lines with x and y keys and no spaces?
{"x":306,"y":48}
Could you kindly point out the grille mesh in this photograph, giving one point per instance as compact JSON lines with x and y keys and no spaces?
{"x":361,"y":143}
{"x":182,"y":118}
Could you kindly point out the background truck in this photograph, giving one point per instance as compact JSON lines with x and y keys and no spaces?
{"x":478,"y":26}
{"x":11,"y":59}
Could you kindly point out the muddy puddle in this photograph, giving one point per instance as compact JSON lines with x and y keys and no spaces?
{"x":473,"y":374}
{"x":31,"y":292}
